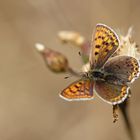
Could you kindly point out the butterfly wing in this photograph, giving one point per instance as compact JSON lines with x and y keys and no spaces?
{"x":111,"y":93}
{"x":126,"y":68}
{"x":104,"y":43}
{"x":79,"y":90}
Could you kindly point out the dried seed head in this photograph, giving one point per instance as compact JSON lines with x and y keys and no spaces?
{"x":72,"y":37}
{"x":56,"y":61}
{"x":128,"y":46}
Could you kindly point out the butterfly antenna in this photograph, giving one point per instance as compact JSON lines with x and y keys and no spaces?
{"x":66,"y":77}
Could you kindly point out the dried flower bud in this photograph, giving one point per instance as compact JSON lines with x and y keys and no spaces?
{"x":56,"y":61}
{"x":71,"y":36}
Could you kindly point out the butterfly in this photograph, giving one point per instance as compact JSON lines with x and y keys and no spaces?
{"x":108,"y":77}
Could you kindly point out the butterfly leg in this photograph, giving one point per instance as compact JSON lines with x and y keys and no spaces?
{"x":115,"y":115}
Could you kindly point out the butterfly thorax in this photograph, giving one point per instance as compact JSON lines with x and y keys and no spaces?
{"x":95,"y":75}
{"x":98,"y":75}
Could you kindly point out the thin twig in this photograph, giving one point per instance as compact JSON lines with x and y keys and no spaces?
{"x":124,"y":109}
{"x":73,"y":72}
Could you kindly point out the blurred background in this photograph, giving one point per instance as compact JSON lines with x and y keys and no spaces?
{"x":30,"y":108}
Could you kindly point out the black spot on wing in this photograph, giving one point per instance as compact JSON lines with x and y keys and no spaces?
{"x":96,"y":53}
{"x":97,"y":46}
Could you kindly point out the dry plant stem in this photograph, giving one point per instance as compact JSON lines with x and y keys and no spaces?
{"x":124,"y":109}
{"x":73,"y":72}
{"x":115,"y":115}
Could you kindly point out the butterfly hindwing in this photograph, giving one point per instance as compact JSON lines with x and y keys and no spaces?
{"x":79,"y":90}
{"x":126,"y":68}
{"x":111,"y":93}
{"x":104,"y":43}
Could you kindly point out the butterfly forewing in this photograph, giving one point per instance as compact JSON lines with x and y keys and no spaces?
{"x":79,"y":90}
{"x":111,"y":93}
{"x":126,"y":68}
{"x":104,"y":43}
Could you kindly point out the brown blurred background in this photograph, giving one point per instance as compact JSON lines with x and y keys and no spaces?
{"x":30,"y":108}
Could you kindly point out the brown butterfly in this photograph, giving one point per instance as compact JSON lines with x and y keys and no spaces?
{"x":108,"y":77}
